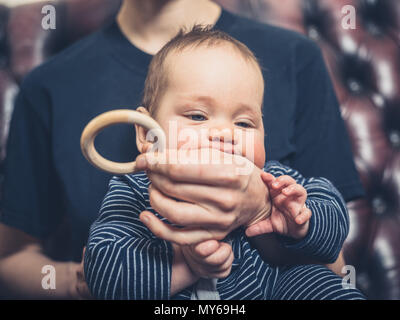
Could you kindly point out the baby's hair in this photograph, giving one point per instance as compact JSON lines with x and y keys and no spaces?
{"x":199,"y":35}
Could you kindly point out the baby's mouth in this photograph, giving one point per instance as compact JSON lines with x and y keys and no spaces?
{"x":222,"y":146}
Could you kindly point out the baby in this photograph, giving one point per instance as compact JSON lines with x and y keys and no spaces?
{"x":211,"y":85}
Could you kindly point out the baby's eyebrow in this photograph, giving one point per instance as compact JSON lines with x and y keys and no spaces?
{"x":205,"y":99}
{"x":254,"y":110}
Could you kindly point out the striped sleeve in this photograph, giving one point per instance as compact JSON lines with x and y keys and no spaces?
{"x":122,"y":259}
{"x":329,"y":223}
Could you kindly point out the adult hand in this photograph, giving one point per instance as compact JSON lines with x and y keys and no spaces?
{"x":79,"y":289}
{"x":208,"y":198}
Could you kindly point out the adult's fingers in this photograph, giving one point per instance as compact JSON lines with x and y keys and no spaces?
{"x":214,"y":168}
{"x":223,"y":199}
{"x":181,"y":236}
{"x":186,"y":214}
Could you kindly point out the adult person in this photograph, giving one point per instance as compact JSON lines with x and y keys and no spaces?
{"x":105,"y":71}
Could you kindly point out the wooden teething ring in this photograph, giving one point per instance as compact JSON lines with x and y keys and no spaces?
{"x":96,"y":125}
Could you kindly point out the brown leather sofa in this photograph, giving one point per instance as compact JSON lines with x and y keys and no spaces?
{"x":364,"y":64}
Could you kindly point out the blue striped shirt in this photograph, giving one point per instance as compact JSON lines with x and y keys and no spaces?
{"x":124,"y":260}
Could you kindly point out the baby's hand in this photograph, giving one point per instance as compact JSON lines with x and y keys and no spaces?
{"x":209,"y":259}
{"x":289,"y":216}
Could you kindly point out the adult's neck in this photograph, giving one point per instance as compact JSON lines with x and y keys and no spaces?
{"x":149,"y":24}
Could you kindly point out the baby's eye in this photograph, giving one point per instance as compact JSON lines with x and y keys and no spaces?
{"x":197,"y":117}
{"x":243,"y":124}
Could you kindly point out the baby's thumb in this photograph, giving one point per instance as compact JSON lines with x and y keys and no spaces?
{"x":206,"y":248}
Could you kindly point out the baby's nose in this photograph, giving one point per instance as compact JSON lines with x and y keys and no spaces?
{"x":225,"y":135}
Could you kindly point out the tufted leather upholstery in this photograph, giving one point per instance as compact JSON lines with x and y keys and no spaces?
{"x":364,"y":65}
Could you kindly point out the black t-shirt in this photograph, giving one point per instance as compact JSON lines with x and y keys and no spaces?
{"x":48,"y":183}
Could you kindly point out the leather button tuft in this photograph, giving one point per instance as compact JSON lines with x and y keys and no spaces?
{"x":379,"y":206}
{"x":394,"y":138}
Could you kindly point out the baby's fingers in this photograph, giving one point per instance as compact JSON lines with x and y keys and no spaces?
{"x":290,"y":207}
{"x":219,"y":257}
{"x":206,"y":248}
{"x":291,"y":200}
{"x":181,"y":236}
{"x":296,"y":191}
{"x":267,"y":178}
{"x":279,"y":184}
{"x":225,"y":269}
{"x":304,"y":216}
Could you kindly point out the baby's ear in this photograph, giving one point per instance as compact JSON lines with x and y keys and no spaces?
{"x":142,"y":144}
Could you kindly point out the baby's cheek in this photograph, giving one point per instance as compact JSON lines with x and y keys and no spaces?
{"x":253,"y":149}
{"x":175,"y":138}
{"x":188,"y":138}
{"x":259,"y":154}
{"x":184,"y":137}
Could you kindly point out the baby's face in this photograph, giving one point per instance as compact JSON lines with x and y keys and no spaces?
{"x":217,"y":95}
